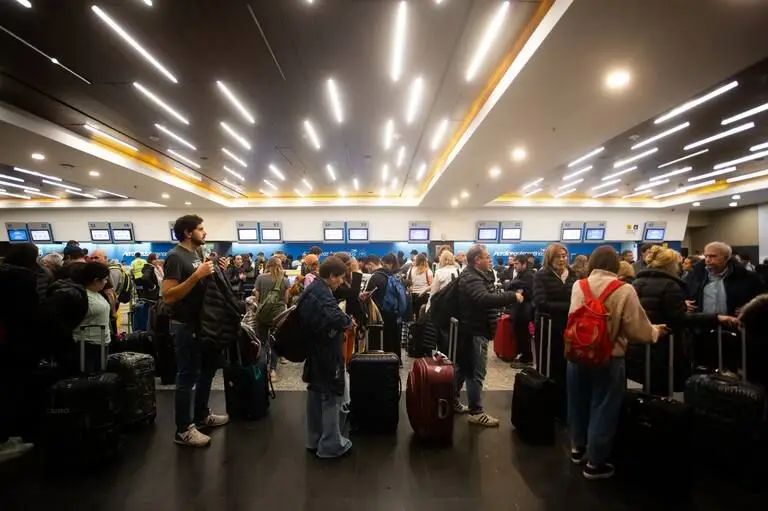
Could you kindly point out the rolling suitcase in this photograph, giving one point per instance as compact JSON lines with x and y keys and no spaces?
{"x":136,"y":342}
{"x":653,"y":437}
{"x":81,"y":426}
{"x":246,"y":388}
{"x":534,"y":398}
{"x":137,"y":402}
{"x":429,"y":395}
{"x":140,"y":316}
{"x":504,"y":342}
{"x":374,"y":389}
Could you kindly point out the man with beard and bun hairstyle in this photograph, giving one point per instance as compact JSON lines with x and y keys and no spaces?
{"x":183,"y":291}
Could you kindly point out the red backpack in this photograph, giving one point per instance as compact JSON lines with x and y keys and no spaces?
{"x":586,"y":333}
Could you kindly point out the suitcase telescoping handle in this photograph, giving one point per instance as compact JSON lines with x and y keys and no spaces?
{"x":453,"y":339}
{"x":670,"y":368}
{"x":743,"y":335}
{"x":102,"y":345}
{"x":548,"y":319}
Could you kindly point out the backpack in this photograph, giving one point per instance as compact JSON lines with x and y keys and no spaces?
{"x":395,"y":298}
{"x":445,"y":303}
{"x":290,"y":342}
{"x":271,"y":305}
{"x":121,"y":282}
{"x":65,"y":306}
{"x":586,"y":333}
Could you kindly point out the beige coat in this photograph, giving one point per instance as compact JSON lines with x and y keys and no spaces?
{"x":627,"y":321}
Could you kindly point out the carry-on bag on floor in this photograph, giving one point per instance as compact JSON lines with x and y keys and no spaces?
{"x":140,"y":316}
{"x":415,"y":345}
{"x":653,"y":438}
{"x":533,"y":396}
{"x":504,"y":342}
{"x":137,"y":402}
{"x":429,"y":394}
{"x":374,"y":388}
{"x":246,"y":387}
{"x":137,"y":341}
{"x":81,"y":426}
{"x":729,"y":415}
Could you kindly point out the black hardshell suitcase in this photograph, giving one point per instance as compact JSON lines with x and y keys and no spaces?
{"x":246,"y":387}
{"x":374,"y":389}
{"x":534,"y":399}
{"x":136,"y":387}
{"x":81,"y":428}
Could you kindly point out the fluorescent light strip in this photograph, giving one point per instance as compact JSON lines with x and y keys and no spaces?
{"x":235,"y":102}
{"x":759,"y":147}
{"x":747,"y":113}
{"x":8,"y":194}
{"x":333,"y":94}
{"x":586,"y":156}
{"x":603,"y":194}
{"x":21,"y":187}
{"x":25,"y":3}
{"x":276,"y":171}
{"x":577,"y":173}
{"x":654,"y":184}
{"x":533,"y":183}
{"x":86,"y":195}
{"x":682,"y":159}
{"x":752,"y":175}
{"x":661,"y":135}
{"x":100,"y":133}
{"x":312,"y":134}
{"x":398,"y":41}
{"x":306,"y":183}
{"x":238,"y":137}
{"x":17,"y":179}
{"x":356,"y":184}
{"x":696,"y":102}
{"x":750,"y":157}
{"x":619,"y":173}
{"x":566,"y":185}
{"x":234,"y":157}
{"x":236,"y":174}
{"x":159,"y":102}
{"x":389,"y":132}
{"x":422,"y":170}
{"x":184,"y":159}
{"x":230,"y":192}
{"x":270,"y":184}
{"x":634,"y":158}
{"x":188,"y":173}
{"x":437,"y":138}
{"x":133,"y":43}
{"x":727,"y":133}
{"x":175,"y":136}
{"x":385,"y":172}
{"x":62,"y":185}
{"x":414,"y":99}
{"x":41,"y":194}
{"x":566,"y":192}
{"x":394,"y":183}
{"x":232,"y":185}
{"x":489,"y":35}
{"x":672,"y":173}
{"x":636,"y":194}
{"x":298,"y":192}
{"x":113,"y":193}
{"x":606,"y":184}
{"x":684,"y":189}
{"x":532,"y":192}
{"x":712,"y":174}
{"x":400,"y":156}
{"x":38,"y":174}
{"x":331,"y":173}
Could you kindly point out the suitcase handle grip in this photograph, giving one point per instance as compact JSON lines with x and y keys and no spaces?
{"x":443,"y":409}
{"x":670,"y":368}
{"x":743,"y":335}
{"x":539,"y":362}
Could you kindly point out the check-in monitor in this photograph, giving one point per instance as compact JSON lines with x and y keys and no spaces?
{"x":18,"y":235}
{"x":358,"y":234}
{"x":121,"y":235}
{"x":571,"y":234}
{"x":418,"y":234}
{"x":511,"y":234}
{"x":594,"y":234}
{"x":100,"y":235}
{"x":655,"y":234}
{"x":488,"y":234}
{"x":271,"y":234}
{"x":40,"y":235}
{"x":333,"y":234}
{"x":247,"y":235}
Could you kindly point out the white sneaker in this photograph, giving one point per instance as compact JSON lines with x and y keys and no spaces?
{"x":13,"y":448}
{"x":460,"y":408}
{"x":213,"y":421}
{"x":483,"y":419}
{"x":192,"y":438}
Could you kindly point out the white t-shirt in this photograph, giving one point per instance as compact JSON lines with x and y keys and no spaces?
{"x":89,"y":330}
{"x":420,"y":282}
{"x":443,"y":277}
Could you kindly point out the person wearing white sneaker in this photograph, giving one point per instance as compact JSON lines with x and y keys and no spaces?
{"x":184,"y":291}
{"x":478,"y":302}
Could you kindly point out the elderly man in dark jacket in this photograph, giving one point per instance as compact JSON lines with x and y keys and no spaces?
{"x":477,"y":297}
{"x":322,"y":318}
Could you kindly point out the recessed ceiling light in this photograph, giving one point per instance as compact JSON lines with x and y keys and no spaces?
{"x":175,"y":136}
{"x":312,"y":134}
{"x":276,"y":171}
{"x":712,"y":174}
{"x":750,"y":157}
{"x":422,"y":170}
{"x":718,"y":136}
{"x":335,"y":99}
{"x":234,"y":157}
{"x":683,"y":158}
{"x":577,"y":173}
{"x":464,"y":194}
{"x":672,"y":173}
{"x":187,"y":203}
{"x":307,"y":184}
{"x":356,"y":184}
{"x":62,"y":185}
{"x":183,"y":158}
{"x":94,"y":173}
{"x":736,"y":197}
{"x":758,"y":147}
{"x":414,"y":99}
{"x":148,"y":3}
{"x":236,"y":174}
{"x":389,"y":132}
{"x":636,"y":157}
{"x":494,"y":172}
{"x":564,"y":193}
{"x":331,"y":172}
{"x":38,"y":174}
{"x":100,"y":133}
{"x":532,"y":192}
{"x":733,"y":204}
{"x":400,"y":156}
{"x":189,"y":173}
{"x":747,"y":113}
{"x":603,"y":194}
{"x":751,"y":175}
{"x":159,"y":102}
{"x":133,"y":43}
{"x":236,"y":136}
{"x":398,"y":41}
{"x":235,"y":102}
{"x":113,"y":194}
{"x":165,"y":196}
{"x":617,"y":79}
{"x":454,"y":202}
{"x":587,"y":156}
{"x":606,"y":184}
{"x":653,"y":184}
{"x":533,"y":183}
{"x":568,"y":185}
{"x":661,"y":135}
{"x":25,"y":3}
{"x":439,"y":134}
{"x":619,"y":173}
{"x":12,"y":178}
{"x":490,"y":33}
{"x":519,"y":154}
{"x":38,"y":156}
{"x":385,"y":172}
{"x":696,"y":204}
{"x":270,"y":184}
{"x":696,"y":102}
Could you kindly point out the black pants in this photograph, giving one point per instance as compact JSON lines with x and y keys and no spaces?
{"x":523,"y":337}
{"x":417,"y":302}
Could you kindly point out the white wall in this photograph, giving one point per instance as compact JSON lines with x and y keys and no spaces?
{"x":386,"y":224}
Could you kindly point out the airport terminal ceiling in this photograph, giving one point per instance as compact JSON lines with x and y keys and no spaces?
{"x":340,"y":102}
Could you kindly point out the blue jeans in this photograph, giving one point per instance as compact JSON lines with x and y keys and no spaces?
{"x":595,"y":395}
{"x":474,"y":375}
{"x":196,"y":368}
{"x":325,"y":420}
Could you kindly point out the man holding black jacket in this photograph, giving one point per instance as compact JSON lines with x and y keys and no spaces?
{"x":522,"y":285}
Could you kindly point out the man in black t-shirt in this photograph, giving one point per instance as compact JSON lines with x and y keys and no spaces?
{"x":183,"y":291}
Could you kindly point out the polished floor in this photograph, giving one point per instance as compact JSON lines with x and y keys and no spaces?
{"x":263,"y":466}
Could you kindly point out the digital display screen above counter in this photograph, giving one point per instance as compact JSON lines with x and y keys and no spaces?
{"x":18,"y":235}
{"x":596,"y":234}
{"x":248,"y":235}
{"x":40,"y":235}
{"x":100,"y":235}
{"x":335,"y":234}
{"x":571,"y":234}
{"x":271,"y":235}
{"x":655,"y":234}
{"x":511,"y":234}
{"x":487,"y":234}
{"x":121,"y":235}
{"x":358,"y":234}
{"x":418,"y":234}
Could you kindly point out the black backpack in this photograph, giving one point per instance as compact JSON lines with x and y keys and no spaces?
{"x":65,"y":305}
{"x":290,"y":342}
{"x":445,"y":304}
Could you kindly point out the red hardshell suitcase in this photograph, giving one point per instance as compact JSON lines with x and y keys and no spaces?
{"x":504,"y":342}
{"x":429,"y":393}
